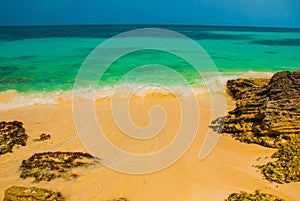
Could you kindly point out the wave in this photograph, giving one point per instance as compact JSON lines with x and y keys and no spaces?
{"x":12,"y":99}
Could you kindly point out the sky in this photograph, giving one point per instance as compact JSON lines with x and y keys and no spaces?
{"x":266,"y":13}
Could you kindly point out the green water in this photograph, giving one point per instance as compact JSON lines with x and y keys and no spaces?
{"x":48,"y":59}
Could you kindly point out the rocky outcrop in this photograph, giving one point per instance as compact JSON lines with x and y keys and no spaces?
{"x":11,"y":134}
{"x":257,"y":196}
{"x":241,"y":88}
{"x":16,"y":193}
{"x":267,"y":112}
{"x":50,"y":165}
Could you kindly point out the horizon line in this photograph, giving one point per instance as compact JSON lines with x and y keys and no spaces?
{"x":141,"y":24}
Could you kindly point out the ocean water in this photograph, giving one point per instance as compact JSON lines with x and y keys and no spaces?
{"x":46,"y":59}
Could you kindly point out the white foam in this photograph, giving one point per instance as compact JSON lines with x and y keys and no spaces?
{"x":255,"y":74}
{"x":141,"y":90}
{"x":26,"y":99}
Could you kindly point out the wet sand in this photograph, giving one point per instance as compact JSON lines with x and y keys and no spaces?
{"x":227,"y":169}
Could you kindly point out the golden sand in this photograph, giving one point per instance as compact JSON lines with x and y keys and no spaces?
{"x":226,"y":170}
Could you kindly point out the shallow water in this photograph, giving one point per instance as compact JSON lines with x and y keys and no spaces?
{"x":42,"y":62}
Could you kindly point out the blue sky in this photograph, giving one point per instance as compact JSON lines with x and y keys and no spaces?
{"x":270,"y":13}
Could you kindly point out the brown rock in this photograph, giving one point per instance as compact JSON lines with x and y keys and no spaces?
{"x":16,"y":193}
{"x":119,"y":199}
{"x":268,"y":114}
{"x":51,"y":165}
{"x":11,"y":134}
{"x":257,"y":196}
{"x":43,"y":137}
{"x":265,"y":109}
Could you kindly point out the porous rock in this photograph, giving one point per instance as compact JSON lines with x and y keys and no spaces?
{"x":257,"y":196}
{"x":266,"y":112}
{"x":50,"y":165}
{"x":17,"y":193}
{"x":11,"y":134}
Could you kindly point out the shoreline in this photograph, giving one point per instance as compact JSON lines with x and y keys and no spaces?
{"x":226,"y":170}
{"x":11,"y":99}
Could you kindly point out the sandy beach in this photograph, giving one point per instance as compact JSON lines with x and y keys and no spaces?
{"x":229,"y":167}
{"x":150,"y":100}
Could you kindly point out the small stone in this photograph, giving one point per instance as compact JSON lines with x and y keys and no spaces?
{"x":119,"y":199}
{"x":43,"y":137}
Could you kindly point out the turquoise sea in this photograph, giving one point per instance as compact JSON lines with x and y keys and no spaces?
{"x":47,"y":58}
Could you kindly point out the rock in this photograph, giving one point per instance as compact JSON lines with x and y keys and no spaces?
{"x":16,"y":193}
{"x":50,"y":165}
{"x":266,"y":112}
{"x":119,"y":199}
{"x":286,"y":168}
{"x":11,"y":134}
{"x":239,"y":87}
{"x":43,"y":137}
{"x":257,"y":196}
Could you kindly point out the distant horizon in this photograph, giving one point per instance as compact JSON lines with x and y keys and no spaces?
{"x":154,"y":24}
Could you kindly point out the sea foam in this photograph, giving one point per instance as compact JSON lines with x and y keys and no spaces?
{"x":12,"y":99}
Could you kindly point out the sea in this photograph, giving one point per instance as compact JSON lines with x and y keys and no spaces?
{"x":40,"y":63}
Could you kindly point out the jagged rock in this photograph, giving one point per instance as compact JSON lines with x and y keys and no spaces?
{"x":16,"y":193}
{"x":50,"y":165}
{"x":266,"y":112}
{"x":257,"y":196}
{"x":240,"y":87}
{"x":11,"y":134}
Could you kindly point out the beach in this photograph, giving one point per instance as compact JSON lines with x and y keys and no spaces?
{"x":44,"y":67}
{"x":227,"y":169}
